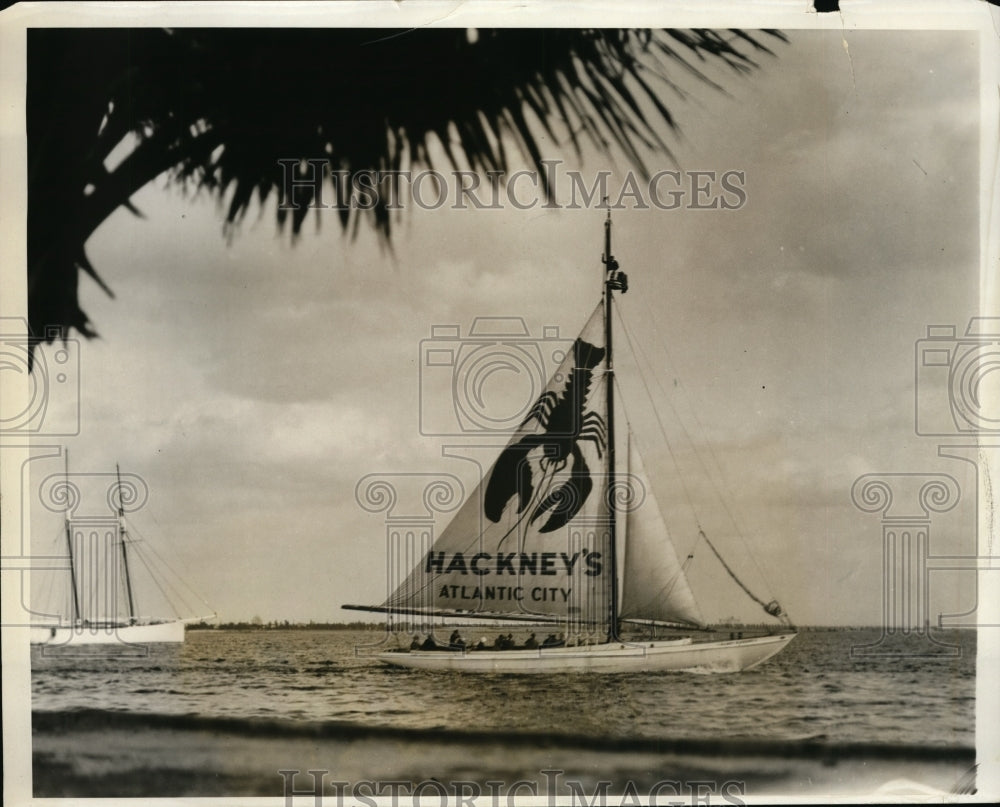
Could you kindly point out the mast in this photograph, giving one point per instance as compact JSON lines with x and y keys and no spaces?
{"x":121,"y":536}
{"x":613,"y":280}
{"x":75,"y":607}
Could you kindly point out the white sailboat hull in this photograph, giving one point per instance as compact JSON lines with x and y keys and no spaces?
{"x":680,"y":655}
{"x":154,"y":633}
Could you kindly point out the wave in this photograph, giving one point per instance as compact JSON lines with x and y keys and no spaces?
{"x":806,"y":748}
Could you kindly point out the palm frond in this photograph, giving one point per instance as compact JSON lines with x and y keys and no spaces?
{"x":219,"y":108}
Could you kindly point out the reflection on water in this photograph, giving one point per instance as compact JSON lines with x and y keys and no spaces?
{"x":812,"y":689}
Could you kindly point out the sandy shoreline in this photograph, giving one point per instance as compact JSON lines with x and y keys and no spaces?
{"x":97,"y":753}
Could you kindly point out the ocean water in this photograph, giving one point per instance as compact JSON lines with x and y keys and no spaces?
{"x":814,"y":689}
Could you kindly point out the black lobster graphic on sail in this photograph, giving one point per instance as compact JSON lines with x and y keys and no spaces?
{"x":565,"y":425}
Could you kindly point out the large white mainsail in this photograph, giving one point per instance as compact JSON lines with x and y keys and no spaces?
{"x":654,"y":586}
{"x":532,"y":541}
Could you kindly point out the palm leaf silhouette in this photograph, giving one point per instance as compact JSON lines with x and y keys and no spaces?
{"x":218,"y":108}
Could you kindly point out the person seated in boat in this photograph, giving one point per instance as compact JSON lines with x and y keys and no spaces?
{"x":498,"y":643}
{"x":481,"y":644}
{"x":429,"y":643}
{"x":531,"y":642}
{"x":415,"y":644}
{"x":508,"y":642}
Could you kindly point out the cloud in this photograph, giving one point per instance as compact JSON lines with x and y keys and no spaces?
{"x":255,"y":382}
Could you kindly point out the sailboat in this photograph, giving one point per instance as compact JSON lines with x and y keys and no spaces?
{"x":560,"y":533}
{"x":103,"y":604}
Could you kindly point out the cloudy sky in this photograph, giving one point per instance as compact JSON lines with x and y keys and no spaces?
{"x":252,"y":383}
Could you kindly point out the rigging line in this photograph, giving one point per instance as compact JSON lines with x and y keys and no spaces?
{"x":723,"y":499}
{"x":121,"y":601}
{"x":156,"y":583}
{"x":659,"y":420}
{"x":732,"y":574}
{"x":175,"y":595}
{"x":47,"y":597}
{"x":689,"y":553}
{"x":139,"y":551}
{"x":178,"y":593}
{"x":93,"y":571}
{"x":767,"y":606}
{"x":162,"y":561}
{"x":632,"y":435}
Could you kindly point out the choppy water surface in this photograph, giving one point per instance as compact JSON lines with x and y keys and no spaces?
{"x":812,"y":689}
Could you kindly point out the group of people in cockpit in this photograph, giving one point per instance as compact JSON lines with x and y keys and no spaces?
{"x":502,"y":642}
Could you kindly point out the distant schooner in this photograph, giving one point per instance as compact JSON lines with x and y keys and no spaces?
{"x":103,"y":607}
